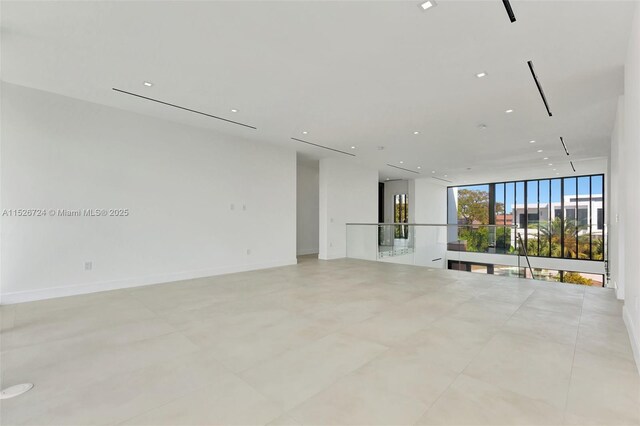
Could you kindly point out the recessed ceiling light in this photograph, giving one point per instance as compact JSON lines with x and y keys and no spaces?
{"x":418,"y":167}
{"x":539,"y":150}
{"x":481,"y":74}
{"x":445,"y":175}
{"x":532,"y":141}
{"x":387,"y":178}
{"x":353,"y":147}
{"x":545,"y":158}
{"x":555,"y":170}
{"x":304,"y":132}
{"x":402,"y":162}
{"x":509,"y":111}
{"x":416,"y":133}
{"x":428,"y":4}
{"x":433,"y":171}
{"x":234,"y":110}
{"x":148,"y":83}
{"x":551,"y":164}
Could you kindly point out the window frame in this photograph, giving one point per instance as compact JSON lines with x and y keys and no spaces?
{"x":552,"y":209}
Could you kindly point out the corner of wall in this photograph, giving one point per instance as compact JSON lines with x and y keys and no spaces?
{"x":634,"y":338}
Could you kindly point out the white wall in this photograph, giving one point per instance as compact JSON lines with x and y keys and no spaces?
{"x":430,"y":201}
{"x":178,"y":182}
{"x":430,"y":204}
{"x":628,"y":200}
{"x":348,"y":194}
{"x":308,"y":202}
{"x":615,"y":191}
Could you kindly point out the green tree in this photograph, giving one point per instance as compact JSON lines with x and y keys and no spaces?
{"x":575,"y":278}
{"x":503,"y":240}
{"x":473,"y":206}
{"x":477,"y":238}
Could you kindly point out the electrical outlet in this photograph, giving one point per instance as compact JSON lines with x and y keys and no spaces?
{"x":88,"y":266}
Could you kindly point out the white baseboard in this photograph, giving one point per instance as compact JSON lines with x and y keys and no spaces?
{"x":304,"y":252}
{"x":74,"y":290}
{"x":330,"y":257}
{"x":634,"y":337}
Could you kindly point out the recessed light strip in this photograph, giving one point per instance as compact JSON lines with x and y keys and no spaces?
{"x":564,"y":145}
{"x":183,"y":108}
{"x":402,"y":168}
{"x":507,"y":5}
{"x":322,"y":146}
{"x":535,"y":78}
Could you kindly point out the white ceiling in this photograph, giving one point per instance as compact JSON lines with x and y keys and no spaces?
{"x":358,"y":73}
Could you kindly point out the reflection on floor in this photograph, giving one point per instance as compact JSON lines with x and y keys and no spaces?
{"x":324,"y":342}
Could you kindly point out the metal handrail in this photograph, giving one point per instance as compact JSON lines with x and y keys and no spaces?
{"x":433,"y":224}
{"x":526,"y":256}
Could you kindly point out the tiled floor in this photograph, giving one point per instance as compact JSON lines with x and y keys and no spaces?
{"x":326,"y":343}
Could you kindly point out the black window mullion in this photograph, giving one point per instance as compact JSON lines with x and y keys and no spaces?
{"x":590,"y":218}
{"x":562,"y":215}
{"x":538,"y":217}
{"x":526,"y":213}
{"x":575,"y":230}
{"x":549,"y":225}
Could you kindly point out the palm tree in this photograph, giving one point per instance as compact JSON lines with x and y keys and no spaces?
{"x":576,"y":246}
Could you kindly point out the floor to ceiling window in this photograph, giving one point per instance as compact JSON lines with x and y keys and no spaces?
{"x":562,"y":217}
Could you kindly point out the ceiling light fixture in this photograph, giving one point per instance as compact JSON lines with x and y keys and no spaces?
{"x":551,"y":164}
{"x":305,"y":132}
{"x":532,"y":141}
{"x":545,"y":158}
{"x":509,"y":111}
{"x":539,"y":150}
{"x":416,"y":133}
{"x":353,"y":147}
{"x":481,"y":74}
{"x":428,"y":4}
{"x":445,"y":175}
{"x":234,"y":110}
{"x":401,"y":162}
{"x":148,"y":83}
{"x":433,"y":171}
{"x":418,"y":167}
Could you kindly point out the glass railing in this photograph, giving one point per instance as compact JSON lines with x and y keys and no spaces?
{"x":485,"y":249}
{"x":440,"y":246}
